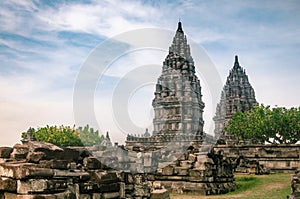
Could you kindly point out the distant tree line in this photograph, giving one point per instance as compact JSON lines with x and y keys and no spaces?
{"x":277,"y":125}
{"x":66,"y":135}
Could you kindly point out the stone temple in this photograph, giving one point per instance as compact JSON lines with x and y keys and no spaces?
{"x":178,"y":105}
{"x":237,"y":95}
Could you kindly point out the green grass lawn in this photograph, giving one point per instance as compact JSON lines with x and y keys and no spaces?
{"x":273,"y":186}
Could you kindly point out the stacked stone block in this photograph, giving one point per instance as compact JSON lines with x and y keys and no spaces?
{"x":41,"y":170}
{"x":262,"y":159}
{"x":197,"y":172}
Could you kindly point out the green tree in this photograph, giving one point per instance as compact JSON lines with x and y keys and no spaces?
{"x":277,"y":125}
{"x":67,"y":136}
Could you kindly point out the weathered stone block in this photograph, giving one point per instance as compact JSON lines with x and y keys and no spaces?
{"x":156,"y":185}
{"x":104,"y":177}
{"x":72,"y":166}
{"x":35,"y":157}
{"x":5,"y":152}
{"x":23,"y":170}
{"x":168,"y":170}
{"x":20,"y":152}
{"x":79,"y":175}
{"x":150,"y":176}
{"x":192,"y":157}
{"x":141,"y":191}
{"x":104,"y":188}
{"x":128,"y":178}
{"x":113,"y":195}
{"x":160,"y":194}
{"x":84,"y":196}
{"x":147,"y":159}
{"x":64,"y":195}
{"x":91,"y":163}
{"x":200,"y":166}
{"x":70,"y":154}
{"x":129,"y":188}
{"x":186,"y":164}
{"x":54,"y":164}
{"x":182,"y":171}
{"x":201,"y":179}
{"x":8,"y":184}
{"x":41,"y":186}
{"x":172,"y":178}
{"x":122,"y":190}
{"x":197,"y":172}
{"x":96,"y":196}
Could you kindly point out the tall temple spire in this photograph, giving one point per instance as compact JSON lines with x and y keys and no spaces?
{"x":178,"y":106}
{"x":178,"y":91}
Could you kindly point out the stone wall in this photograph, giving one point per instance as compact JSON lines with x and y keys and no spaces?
{"x":41,"y":170}
{"x":197,"y":172}
{"x":262,"y":159}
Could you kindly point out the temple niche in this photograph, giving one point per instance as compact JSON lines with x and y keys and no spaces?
{"x":178,"y":106}
{"x":237,"y":95}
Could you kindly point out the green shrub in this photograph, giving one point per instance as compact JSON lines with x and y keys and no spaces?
{"x":66,"y":135}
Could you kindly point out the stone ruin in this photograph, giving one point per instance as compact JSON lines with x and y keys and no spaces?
{"x":41,"y":170}
{"x":262,"y":159}
{"x":179,"y":152}
{"x":295,"y":184}
{"x":197,"y":172}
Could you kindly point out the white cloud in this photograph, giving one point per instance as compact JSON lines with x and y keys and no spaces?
{"x":101,"y":17}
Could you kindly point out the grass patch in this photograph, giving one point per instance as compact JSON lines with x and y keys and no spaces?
{"x":244,"y":183}
{"x":273,"y":186}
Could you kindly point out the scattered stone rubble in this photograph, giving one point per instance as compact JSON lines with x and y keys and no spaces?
{"x":197,"y":172}
{"x":295,"y":182}
{"x":42,"y":170}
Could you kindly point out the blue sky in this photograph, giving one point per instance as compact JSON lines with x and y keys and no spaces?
{"x":43,"y":45}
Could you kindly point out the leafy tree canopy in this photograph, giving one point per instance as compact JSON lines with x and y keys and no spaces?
{"x":277,"y":125}
{"x":66,"y":135}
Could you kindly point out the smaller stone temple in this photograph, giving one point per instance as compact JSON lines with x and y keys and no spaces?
{"x":237,"y":95}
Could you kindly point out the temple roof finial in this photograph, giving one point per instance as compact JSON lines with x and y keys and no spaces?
{"x":236,"y":61}
{"x":107,"y":135}
{"x":179,"y":29}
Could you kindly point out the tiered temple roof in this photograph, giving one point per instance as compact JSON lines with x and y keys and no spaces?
{"x":237,"y":95}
